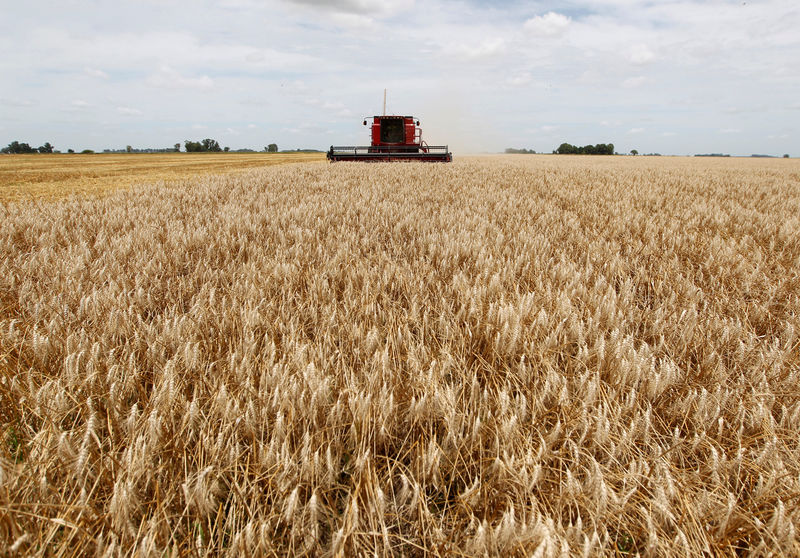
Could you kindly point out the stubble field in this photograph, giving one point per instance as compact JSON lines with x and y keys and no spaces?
{"x":502,"y":356}
{"x":48,"y":177}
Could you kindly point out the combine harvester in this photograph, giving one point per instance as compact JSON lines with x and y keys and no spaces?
{"x":394,"y":138}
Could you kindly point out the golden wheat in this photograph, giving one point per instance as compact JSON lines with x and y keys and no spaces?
{"x":54,"y":176}
{"x":504,"y":356}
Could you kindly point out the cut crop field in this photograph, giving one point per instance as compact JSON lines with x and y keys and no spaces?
{"x":46,"y":177}
{"x":516,"y":356}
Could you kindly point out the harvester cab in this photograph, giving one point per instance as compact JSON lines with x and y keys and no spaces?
{"x":394,"y":138}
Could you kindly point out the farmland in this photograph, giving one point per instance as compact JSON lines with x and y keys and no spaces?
{"x":511,"y":355}
{"x":45,"y":177}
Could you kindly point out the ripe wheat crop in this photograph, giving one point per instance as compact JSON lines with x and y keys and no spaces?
{"x":504,"y":356}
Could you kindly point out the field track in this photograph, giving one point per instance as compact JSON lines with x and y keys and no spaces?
{"x":512,"y":356}
{"x":47,"y":177}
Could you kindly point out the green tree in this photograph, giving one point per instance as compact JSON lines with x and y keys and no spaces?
{"x":17,"y":148}
{"x":634,"y":152}
{"x":207,"y":144}
{"x":128,"y":148}
{"x":46,"y":148}
{"x":177,"y":147}
{"x":226,"y":149}
{"x":211,"y":145}
{"x":785,"y":155}
{"x":272,"y":148}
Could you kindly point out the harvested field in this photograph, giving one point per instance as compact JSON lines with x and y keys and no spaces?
{"x":46,"y":177}
{"x":506,"y":356}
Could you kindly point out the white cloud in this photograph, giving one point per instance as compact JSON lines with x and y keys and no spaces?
{"x":520,"y":79}
{"x":16,"y":102}
{"x":358,"y":6}
{"x":168,"y":78}
{"x":641,"y":54}
{"x":94,"y":72}
{"x":485,"y":49}
{"x":633,"y":82}
{"x":353,"y":21}
{"x":128,"y":111}
{"x":251,"y":126}
{"x":634,"y":131}
{"x":551,"y":24}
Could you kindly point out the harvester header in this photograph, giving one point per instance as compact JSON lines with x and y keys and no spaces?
{"x":394,"y":138}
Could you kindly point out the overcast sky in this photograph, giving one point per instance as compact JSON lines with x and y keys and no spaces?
{"x":675,"y":77}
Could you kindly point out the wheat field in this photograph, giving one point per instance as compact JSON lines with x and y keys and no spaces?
{"x":54,"y":176}
{"x":516,"y":356}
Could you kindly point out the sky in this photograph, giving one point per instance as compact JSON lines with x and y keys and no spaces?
{"x":670,"y":77}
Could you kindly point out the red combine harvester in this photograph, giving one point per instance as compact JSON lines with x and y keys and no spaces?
{"x":394,"y":138}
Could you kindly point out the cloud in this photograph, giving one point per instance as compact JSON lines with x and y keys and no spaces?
{"x":168,"y":78}
{"x":550,"y":24}
{"x":94,"y":72}
{"x":251,"y":126}
{"x":353,"y":21}
{"x":16,"y":102}
{"x":634,"y":131}
{"x":633,"y":82}
{"x":357,"y":6}
{"x":641,"y":54}
{"x":128,"y":111}
{"x":520,"y":79}
{"x":485,"y":49}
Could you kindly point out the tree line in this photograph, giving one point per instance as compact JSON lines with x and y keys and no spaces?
{"x":599,"y":149}
{"x":16,"y":147}
{"x":206,"y":145}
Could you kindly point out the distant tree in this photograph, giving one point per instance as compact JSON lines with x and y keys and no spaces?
{"x":211,"y":145}
{"x":177,"y":147}
{"x":272,"y":148}
{"x":70,"y":150}
{"x":634,"y":152}
{"x":46,"y":148}
{"x":16,"y":147}
{"x":226,"y":149}
{"x":598,"y":149}
{"x":785,"y":155}
{"x":87,"y":151}
{"x":207,"y":144}
{"x":128,"y":148}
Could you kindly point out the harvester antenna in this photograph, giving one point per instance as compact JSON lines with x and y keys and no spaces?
{"x":384,"y":102}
